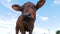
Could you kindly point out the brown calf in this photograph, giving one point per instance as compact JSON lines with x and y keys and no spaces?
{"x":26,"y":21}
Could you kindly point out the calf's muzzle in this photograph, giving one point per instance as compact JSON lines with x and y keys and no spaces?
{"x":27,"y":17}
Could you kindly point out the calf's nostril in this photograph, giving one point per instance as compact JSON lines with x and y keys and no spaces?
{"x":29,"y":14}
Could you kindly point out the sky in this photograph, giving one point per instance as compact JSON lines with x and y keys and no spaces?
{"x":47,"y":17}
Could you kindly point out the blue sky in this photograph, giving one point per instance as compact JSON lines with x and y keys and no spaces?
{"x":47,"y":19}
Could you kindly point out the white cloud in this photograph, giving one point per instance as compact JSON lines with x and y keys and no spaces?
{"x":40,"y":31}
{"x":9,"y":0}
{"x":52,"y":32}
{"x":56,"y":2}
{"x":14,"y":15}
{"x":58,"y":29}
{"x":7,"y":3}
{"x":8,"y":27}
{"x":43,"y":18}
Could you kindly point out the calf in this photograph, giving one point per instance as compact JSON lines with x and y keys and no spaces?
{"x":26,"y":21}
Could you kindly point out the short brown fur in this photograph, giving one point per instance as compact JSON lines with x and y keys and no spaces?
{"x":26,"y":21}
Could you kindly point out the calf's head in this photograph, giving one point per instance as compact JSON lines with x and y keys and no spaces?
{"x":28,"y":9}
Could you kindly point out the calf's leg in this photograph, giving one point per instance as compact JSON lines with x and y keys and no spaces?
{"x":23,"y":32}
{"x":30,"y":32}
{"x":17,"y":30}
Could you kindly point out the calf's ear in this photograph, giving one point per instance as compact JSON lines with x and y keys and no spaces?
{"x":40,"y":4}
{"x":16,"y":7}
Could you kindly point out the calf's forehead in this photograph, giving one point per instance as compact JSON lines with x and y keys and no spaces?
{"x":28,"y":4}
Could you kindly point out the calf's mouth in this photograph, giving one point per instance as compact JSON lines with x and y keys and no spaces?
{"x":27,"y":18}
